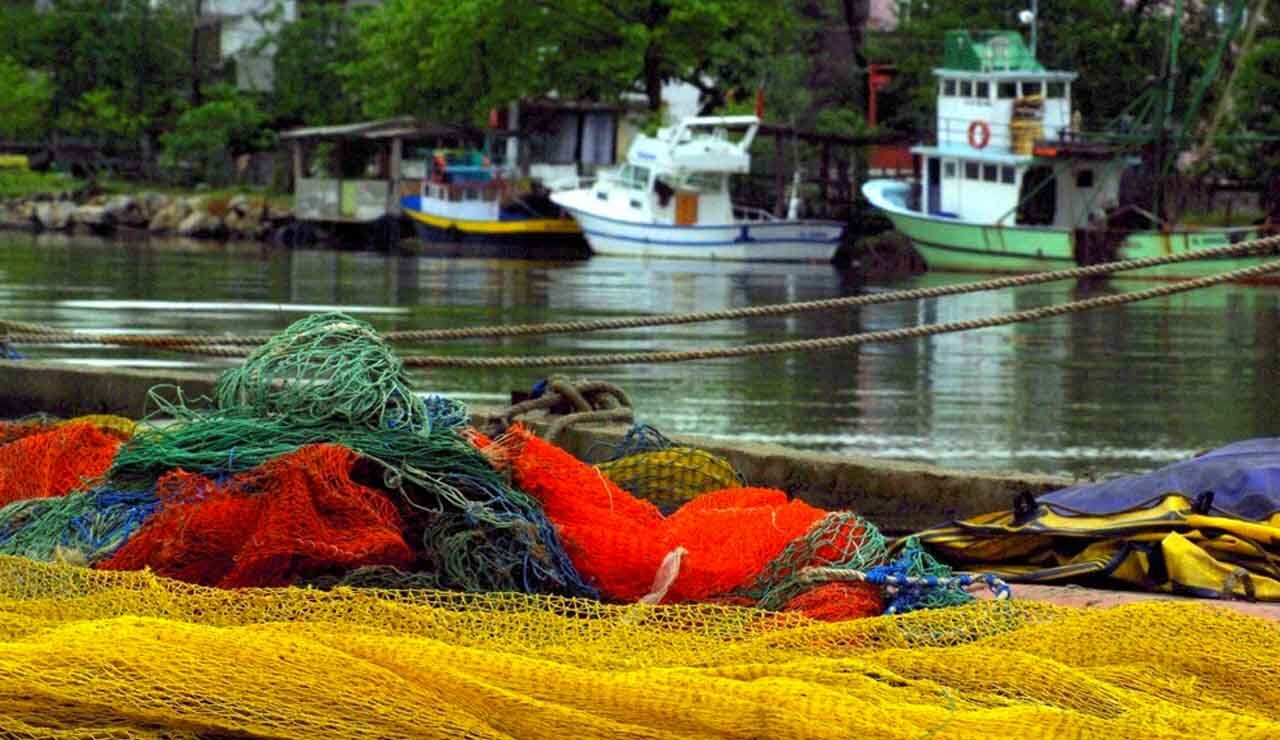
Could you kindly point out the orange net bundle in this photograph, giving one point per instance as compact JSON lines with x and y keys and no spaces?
{"x":297,"y":516}
{"x":55,"y":462}
{"x":12,"y":430}
{"x":714,"y":546}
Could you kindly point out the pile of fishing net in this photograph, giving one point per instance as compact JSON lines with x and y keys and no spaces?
{"x":110,"y":654}
{"x":317,"y":463}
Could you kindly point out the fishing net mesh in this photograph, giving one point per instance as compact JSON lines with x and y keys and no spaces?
{"x":87,"y":653}
{"x":56,"y":461}
{"x":671,"y":477}
{"x":297,"y":516}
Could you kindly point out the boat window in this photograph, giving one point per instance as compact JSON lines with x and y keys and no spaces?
{"x":971,"y":170}
{"x":1030,"y":88}
{"x":1008,"y":175}
{"x":635,"y":203}
{"x":949,"y":169}
{"x":982,"y":90}
{"x":472,"y":194}
{"x":602,"y":195}
{"x":966,"y":89}
{"x":949,"y":88}
{"x":989,"y":172}
{"x":704,"y":182}
{"x":1084,"y":179}
{"x":1007,"y":90}
{"x":636,"y":178}
{"x":1056,"y":90}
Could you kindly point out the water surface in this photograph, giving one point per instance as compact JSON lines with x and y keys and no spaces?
{"x":1099,"y":393}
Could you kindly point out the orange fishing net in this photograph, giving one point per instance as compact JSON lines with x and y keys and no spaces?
{"x":712,"y":546}
{"x":297,"y":516}
{"x":55,"y":462}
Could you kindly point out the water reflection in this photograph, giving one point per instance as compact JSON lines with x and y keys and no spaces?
{"x":1098,"y":392}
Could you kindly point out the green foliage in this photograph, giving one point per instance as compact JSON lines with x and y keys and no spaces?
{"x":1255,"y":112}
{"x":22,"y":183}
{"x":309,"y":53}
{"x":458,"y":60}
{"x":101,"y":111}
{"x":25,"y":101}
{"x":227,"y":124}
{"x":126,"y":61}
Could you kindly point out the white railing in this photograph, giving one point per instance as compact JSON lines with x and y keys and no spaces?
{"x":747,"y":213}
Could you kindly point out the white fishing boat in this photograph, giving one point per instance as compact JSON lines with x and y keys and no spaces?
{"x":671,"y":199}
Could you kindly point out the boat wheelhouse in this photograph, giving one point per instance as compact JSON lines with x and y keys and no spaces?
{"x":1010,"y":184}
{"x":464,"y":198}
{"x":672,"y":199}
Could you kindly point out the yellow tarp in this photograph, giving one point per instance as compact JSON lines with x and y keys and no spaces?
{"x":96,"y":654}
{"x":1165,"y":546}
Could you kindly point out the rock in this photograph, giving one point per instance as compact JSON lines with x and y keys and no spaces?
{"x":55,"y":215}
{"x":170,"y":217}
{"x":25,"y":210}
{"x":279,"y":214}
{"x":126,"y":210}
{"x":199,"y":223}
{"x":94,"y":217}
{"x":244,"y":225}
{"x":100,"y":199}
{"x":153,"y":203}
{"x":240,"y":204}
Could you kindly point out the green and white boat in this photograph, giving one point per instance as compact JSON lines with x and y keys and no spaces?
{"x":1011,"y":186}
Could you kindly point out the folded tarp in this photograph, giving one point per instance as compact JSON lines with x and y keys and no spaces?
{"x":1208,"y":526}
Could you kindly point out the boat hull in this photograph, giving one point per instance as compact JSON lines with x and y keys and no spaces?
{"x":532,"y":238}
{"x":949,"y":245}
{"x":750,"y":241}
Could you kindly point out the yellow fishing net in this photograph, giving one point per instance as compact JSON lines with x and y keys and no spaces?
{"x":112,"y":654}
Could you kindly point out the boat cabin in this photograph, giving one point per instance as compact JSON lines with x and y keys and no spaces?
{"x":680,"y":177}
{"x":995,"y":102}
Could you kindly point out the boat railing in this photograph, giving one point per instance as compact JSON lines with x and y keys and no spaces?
{"x":575,"y":182}
{"x":747,"y":213}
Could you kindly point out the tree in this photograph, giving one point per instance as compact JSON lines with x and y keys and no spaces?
{"x":309,"y":54}
{"x":1256,"y":111}
{"x":25,"y":102}
{"x":458,"y":60}
{"x":121,"y":59}
{"x":207,"y":137}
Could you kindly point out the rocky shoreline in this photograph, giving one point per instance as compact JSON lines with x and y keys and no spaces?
{"x":242,"y":217}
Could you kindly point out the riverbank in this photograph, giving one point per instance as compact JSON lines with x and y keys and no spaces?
{"x":42,"y":202}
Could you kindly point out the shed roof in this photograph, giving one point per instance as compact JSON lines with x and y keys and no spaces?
{"x":387,"y":128}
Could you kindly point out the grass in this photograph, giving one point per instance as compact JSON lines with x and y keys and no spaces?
{"x":16,"y":183}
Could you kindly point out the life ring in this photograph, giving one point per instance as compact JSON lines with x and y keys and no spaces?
{"x":979,"y":134}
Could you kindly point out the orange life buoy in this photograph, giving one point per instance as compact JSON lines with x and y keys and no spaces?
{"x":979,"y":134}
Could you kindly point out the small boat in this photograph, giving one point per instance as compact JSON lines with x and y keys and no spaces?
{"x":671,"y":199}
{"x":467,"y":206}
{"x":1012,"y":185}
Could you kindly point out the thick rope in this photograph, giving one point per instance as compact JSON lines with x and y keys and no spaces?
{"x":221,"y":345}
{"x":802,"y":345}
{"x":840,"y":342}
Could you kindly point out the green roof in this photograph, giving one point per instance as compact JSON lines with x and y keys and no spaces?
{"x":988,"y":51}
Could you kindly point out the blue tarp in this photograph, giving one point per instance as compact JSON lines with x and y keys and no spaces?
{"x":1244,"y":478}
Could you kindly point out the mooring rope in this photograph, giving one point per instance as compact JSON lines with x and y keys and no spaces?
{"x":839,"y":342}
{"x":219,"y":345}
